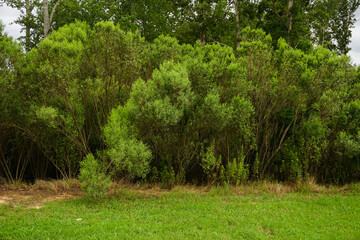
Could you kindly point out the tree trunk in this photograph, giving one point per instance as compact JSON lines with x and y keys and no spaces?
{"x":27,"y":26}
{"x":290,"y":23}
{"x":237,"y":18}
{"x":46,"y":18}
{"x":322,"y":36}
{"x":202,"y":37}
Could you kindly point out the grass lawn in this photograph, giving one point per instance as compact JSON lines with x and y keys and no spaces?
{"x":189,"y":214}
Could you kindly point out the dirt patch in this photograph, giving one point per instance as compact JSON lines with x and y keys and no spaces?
{"x":4,"y":200}
{"x":34,"y":198}
{"x":36,"y":206}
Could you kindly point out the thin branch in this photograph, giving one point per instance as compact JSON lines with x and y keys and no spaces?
{"x":53,"y":10}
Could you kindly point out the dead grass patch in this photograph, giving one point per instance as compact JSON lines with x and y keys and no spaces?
{"x":15,"y":185}
{"x":41,"y":191}
{"x":33,"y":196}
{"x":272,"y":187}
{"x":55,"y":186}
{"x":128,"y":190}
{"x":122,"y":189}
{"x":310,"y":185}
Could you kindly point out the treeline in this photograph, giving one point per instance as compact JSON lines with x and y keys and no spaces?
{"x":302,"y":23}
{"x":107,"y":103}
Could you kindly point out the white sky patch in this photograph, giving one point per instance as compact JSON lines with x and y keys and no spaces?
{"x":9,"y":15}
{"x":355,"y":41}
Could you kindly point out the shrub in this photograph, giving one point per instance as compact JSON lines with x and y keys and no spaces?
{"x":210,"y":164}
{"x":93,"y":180}
{"x":125,"y":151}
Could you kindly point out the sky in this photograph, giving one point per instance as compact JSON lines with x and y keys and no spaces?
{"x":8,"y":15}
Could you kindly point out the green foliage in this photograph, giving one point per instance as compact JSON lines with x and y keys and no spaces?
{"x":210,"y":163}
{"x":288,"y":20}
{"x":162,"y":105}
{"x":154,"y":175}
{"x":236,"y":172}
{"x":125,"y":151}
{"x":341,"y":21}
{"x":79,"y":86}
{"x":326,"y":23}
{"x":291,"y":166}
{"x":92,"y":176}
{"x":168,"y":176}
{"x":163,"y":99}
{"x":176,"y":113}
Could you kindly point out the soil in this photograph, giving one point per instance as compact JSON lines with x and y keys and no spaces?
{"x":31,"y":198}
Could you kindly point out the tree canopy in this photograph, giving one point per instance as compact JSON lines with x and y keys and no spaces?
{"x":302,"y":24}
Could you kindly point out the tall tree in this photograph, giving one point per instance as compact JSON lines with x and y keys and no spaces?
{"x":287,"y":19}
{"x":27,"y":19}
{"x":237,"y":19}
{"x":48,"y":19}
{"x":331,"y":23}
{"x":246,"y":14}
{"x":342,"y":22}
{"x":320,"y":15}
{"x":34,"y":16}
{"x":205,"y":20}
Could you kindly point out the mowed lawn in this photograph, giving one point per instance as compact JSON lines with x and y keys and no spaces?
{"x":189,"y":215}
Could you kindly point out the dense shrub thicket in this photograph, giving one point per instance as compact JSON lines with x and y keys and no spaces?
{"x":171,"y":113}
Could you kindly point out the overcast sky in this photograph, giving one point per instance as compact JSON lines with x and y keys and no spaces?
{"x":8,"y":15}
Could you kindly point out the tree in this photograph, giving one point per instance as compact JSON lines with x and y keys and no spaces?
{"x":152,"y":17}
{"x":245,"y":15}
{"x":48,"y":20}
{"x":13,"y":160}
{"x":35,"y":19}
{"x":331,"y":23}
{"x":237,"y":104}
{"x":27,"y":20}
{"x":320,"y":15}
{"x":205,"y":20}
{"x":342,"y":22}
{"x":287,"y":19}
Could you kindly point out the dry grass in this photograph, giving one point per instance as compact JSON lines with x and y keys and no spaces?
{"x":15,"y":185}
{"x":310,"y":185}
{"x":55,"y":186}
{"x":33,"y":196}
{"x":129,"y":190}
{"x":268,"y":187}
{"x":135,"y":190}
{"x":251,"y":188}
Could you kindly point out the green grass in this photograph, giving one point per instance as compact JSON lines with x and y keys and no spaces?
{"x":189,"y":215}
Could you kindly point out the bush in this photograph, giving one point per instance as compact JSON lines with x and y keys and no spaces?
{"x":210,"y":163}
{"x":126,"y":153}
{"x":93,"y":180}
